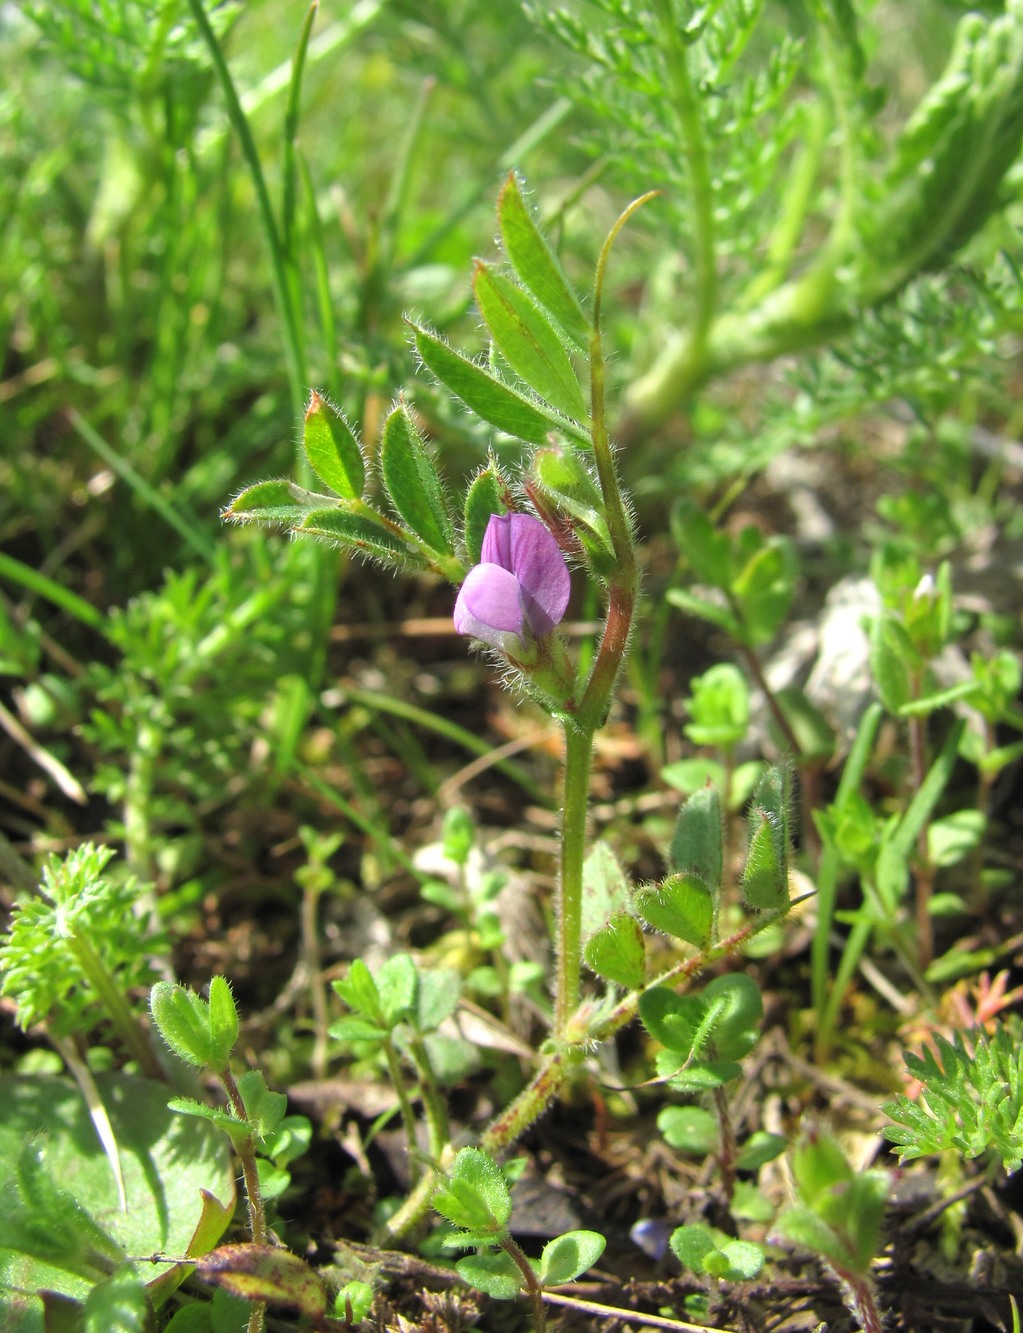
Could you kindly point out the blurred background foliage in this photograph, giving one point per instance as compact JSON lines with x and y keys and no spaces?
{"x":162,"y":319}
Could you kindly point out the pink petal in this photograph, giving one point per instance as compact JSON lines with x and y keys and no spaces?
{"x":540,"y":568}
{"x":489,"y":605}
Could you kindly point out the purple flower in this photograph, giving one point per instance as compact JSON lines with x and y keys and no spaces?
{"x":520,"y":587}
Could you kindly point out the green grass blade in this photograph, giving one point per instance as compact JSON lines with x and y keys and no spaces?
{"x":186,"y":528}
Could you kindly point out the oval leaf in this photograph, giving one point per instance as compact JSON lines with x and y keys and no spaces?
{"x":565,"y":1257}
{"x":495,"y":1274}
{"x":183,"y":1020}
{"x":223,"y":1022}
{"x":696,"y":845}
{"x":475,"y":1196}
{"x":413,"y":483}
{"x":333,"y":451}
{"x":689,"y":1129}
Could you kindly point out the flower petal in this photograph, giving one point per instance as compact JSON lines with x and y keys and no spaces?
{"x":497,"y":540}
{"x":489,"y":605}
{"x":543,"y":576}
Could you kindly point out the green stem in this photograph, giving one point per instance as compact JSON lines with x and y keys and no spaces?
{"x":694,"y":145}
{"x":293,"y":345}
{"x":578,"y":757}
{"x":530,"y":1281}
{"x":116,"y":1006}
{"x":528,"y":1106}
{"x":416,"y":1205}
{"x":726,"y":1144}
{"x":923,"y":870}
{"x":408,"y":1118}
{"x":253,"y":1192}
{"x":292,"y":115}
{"x":434,"y":1109}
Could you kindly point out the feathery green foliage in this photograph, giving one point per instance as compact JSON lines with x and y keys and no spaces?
{"x":971,"y":1098}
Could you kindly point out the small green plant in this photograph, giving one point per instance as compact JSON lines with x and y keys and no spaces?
{"x":971,"y":1099}
{"x":829,"y":213}
{"x":76,"y":951}
{"x":203,"y":1033}
{"x":476,"y":1200}
{"x":838,"y":1217}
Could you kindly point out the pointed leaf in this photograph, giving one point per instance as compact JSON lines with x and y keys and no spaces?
{"x":397,"y":983}
{"x":616,"y":952}
{"x":359,"y":991}
{"x":183,"y":1020}
{"x":370,"y":537}
{"x":413,"y":483}
{"x":528,"y":342}
{"x":711,"y":611}
{"x":562,"y":477}
{"x":765,"y":878}
{"x":223,"y":1022}
{"x":484,"y":499}
{"x":891,"y":662}
{"x":356,"y":1029}
{"x":696,"y":844}
{"x":475,"y":1196}
{"x":683,"y":906}
{"x":535,"y":264}
{"x":274,"y":502}
{"x":491,"y":399}
{"x":333,"y":451}
{"x":238,"y":1131}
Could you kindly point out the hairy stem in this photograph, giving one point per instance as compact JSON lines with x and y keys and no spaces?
{"x":861,"y":1300}
{"x":529,"y":1105}
{"x":726,"y":1143}
{"x":578,"y":757}
{"x":532,"y":1285}
{"x":253,"y":1193}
